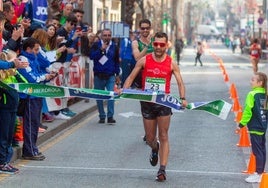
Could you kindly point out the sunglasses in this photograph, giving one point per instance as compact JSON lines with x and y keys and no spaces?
{"x":145,"y":28}
{"x":72,"y":23}
{"x":161,"y":44}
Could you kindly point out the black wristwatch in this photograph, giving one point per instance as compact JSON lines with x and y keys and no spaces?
{"x":182,"y":98}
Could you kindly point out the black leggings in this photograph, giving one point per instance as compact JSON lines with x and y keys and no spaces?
{"x":198,"y":56}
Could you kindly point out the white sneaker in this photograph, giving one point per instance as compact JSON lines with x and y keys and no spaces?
{"x":254,"y":178}
{"x":62,"y":116}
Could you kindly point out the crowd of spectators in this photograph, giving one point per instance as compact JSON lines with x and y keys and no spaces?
{"x":33,"y":52}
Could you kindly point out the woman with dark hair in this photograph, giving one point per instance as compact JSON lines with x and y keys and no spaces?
{"x":53,"y":40}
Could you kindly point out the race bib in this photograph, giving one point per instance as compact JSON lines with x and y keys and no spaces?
{"x":155,"y":84}
{"x":254,"y":52}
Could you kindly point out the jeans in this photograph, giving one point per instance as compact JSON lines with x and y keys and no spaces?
{"x":7,"y":126}
{"x":103,"y":84}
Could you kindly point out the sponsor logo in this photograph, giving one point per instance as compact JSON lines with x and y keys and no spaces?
{"x":170,"y":99}
{"x":41,"y":11}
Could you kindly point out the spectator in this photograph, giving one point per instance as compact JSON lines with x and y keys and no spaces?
{"x":42,"y":37}
{"x":127,"y":59}
{"x":8,"y":108}
{"x":54,"y":21}
{"x":54,"y":8}
{"x":178,"y":49}
{"x":106,"y":71}
{"x":255,"y":118}
{"x":11,"y":34}
{"x":31,"y":118}
{"x":67,"y":10}
{"x":65,"y":31}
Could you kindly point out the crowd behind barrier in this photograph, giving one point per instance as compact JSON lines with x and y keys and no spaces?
{"x":54,"y":51}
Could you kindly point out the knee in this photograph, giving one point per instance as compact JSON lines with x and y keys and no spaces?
{"x":163,"y":137}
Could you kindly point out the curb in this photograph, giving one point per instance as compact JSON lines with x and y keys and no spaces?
{"x":81,"y":108}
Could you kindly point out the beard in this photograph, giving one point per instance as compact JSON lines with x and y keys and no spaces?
{"x":159,"y":53}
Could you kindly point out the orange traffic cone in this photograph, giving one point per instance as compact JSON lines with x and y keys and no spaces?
{"x":236,"y":106}
{"x":238,"y":116}
{"x":226,"y":77}
{"x":251,"y":164}
{"x":18,"y":134}
{"x":244,"y":138}
{"x":221,"y":66}
{"x":233,"y":91}
{"x":264,"y":181}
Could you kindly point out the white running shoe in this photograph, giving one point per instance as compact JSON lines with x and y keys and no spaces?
{"x":254,"y":178}
{"x":61,"y":116}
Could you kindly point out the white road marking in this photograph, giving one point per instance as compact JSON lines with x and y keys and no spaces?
{"x":132,"y":170}
{"x":129,"y":114}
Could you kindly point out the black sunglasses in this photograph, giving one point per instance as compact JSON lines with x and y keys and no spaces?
{"x":145,"y":28}
{"x":72,"y":23}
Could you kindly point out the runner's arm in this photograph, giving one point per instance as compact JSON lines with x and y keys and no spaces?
{"x":136,"y":52}
{"x":181,"y":87}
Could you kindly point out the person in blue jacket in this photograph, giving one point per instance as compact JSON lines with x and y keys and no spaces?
{"x":31,"y":117}
{"x":255,"y":118}
{"x":105,"y":55}
{"x":127,"y":59}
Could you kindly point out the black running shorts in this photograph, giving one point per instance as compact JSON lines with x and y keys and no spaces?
{"x":152,"y":111}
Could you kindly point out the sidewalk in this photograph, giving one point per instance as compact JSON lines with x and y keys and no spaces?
{"x":81,"y":108}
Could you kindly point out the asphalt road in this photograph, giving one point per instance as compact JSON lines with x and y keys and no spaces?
{"x":203,"y":151}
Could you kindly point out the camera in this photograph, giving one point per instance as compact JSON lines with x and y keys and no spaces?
{"x":78,"y":28}
{"x":85,"y":28}
{"x":17,"y":26}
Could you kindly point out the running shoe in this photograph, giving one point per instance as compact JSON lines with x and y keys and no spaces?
{"x":62,"y":116}
{"x":48,"y":118}
{"x":161,"y":176}
{"x":254,"y":178}
{"x":68,"y":112}
{"x":38,"y":157}
{"x":8,"y":169}
{"x":154,"y":156}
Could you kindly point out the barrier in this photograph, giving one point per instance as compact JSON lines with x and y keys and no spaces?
{"x":70,"y":74}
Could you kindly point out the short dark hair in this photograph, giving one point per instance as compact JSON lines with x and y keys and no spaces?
{"x":161,"y":35}
{"x":71,"y":18}
{"x":78,"y":10}
{"x":7,"y":7}
{"x":255,"y":41}
{"x":146,"y":21}
{"x":29,"y":43}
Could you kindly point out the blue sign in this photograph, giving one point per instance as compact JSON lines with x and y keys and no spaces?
{"x":39,"y":10}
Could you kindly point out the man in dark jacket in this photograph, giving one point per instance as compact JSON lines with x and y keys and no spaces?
{"x":105,"y":55}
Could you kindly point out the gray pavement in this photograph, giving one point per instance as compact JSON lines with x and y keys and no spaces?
{"x":81,"y":108}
